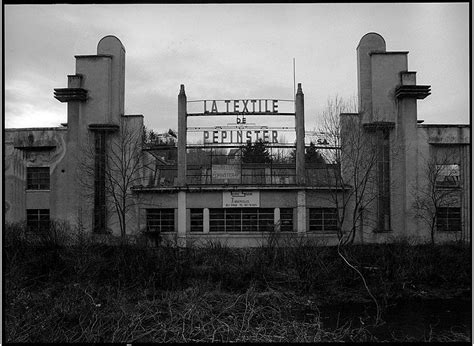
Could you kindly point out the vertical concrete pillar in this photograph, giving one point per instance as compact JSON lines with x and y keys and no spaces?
{"x":182,"y":218}
{"x":73,"y":145}
{"x":465,"y":179}
{"x":276,"y":218}
{"x":371,"y":42}
{"x":111,"y":45}
{"x":300,"y":132}
{"x":205,"y":220}
{"x":301,"y":211}
{"x":407,"y":160}
{"x":182,"y":129}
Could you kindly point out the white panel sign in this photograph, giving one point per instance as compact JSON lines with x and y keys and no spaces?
{"x":240,"y":199}
{"x":225,"y":172}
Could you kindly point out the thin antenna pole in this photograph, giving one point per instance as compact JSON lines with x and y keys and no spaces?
{"x":294,"y":81}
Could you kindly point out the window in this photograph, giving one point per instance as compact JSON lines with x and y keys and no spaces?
{"x":160,"y":220}
{"x":383,"y":180}
{"x":37,"y":178}
{"x":241,"y":220}
{"x":286,"y":219}
{"x":216,"y":220}
{"x":100,"y":204}
{"x":197,"y":218}
{"x":37,"y":220}
{"x":447,"y":175}
{"x":323,"y":219}
{"x":448,"y":219}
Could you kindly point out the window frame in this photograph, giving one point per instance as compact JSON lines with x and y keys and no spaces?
{"x":446,"y":216}
{"x":156,"y":215}
{"x":35,"y":181}
{"x":323,"y":227}
{"x":239,"y":220}
{"x":196,"y":222}
{"x":449,"y":180}
{"x":287,"y":224}
{"x":41,"y":223}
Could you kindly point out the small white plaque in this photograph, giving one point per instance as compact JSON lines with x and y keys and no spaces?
{"x":241,"y":199}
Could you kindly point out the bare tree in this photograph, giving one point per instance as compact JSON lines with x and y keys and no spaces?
{"x":353,"y":165}
{"x":439,"y":190}
{"x":123,"y":168}
{"x":357,"y":162}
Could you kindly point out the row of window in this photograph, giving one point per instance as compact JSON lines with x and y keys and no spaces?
{"x":222,"y":220}
{"x":38,"y":178}
{"x":244,"y":220}
{"x":262,"y":219}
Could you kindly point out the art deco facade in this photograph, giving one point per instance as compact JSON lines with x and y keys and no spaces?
{"x":64,"y":173}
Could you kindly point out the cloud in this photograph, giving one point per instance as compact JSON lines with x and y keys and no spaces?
{"x":230,"y":51}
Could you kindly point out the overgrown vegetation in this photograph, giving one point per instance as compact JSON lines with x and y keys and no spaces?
{"x":69,"y":288}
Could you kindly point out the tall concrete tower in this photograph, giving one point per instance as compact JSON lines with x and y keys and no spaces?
{"x":387,"y":106}
{"x":95,"y":98}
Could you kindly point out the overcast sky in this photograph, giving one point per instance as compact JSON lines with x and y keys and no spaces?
{"x":231,"y":52}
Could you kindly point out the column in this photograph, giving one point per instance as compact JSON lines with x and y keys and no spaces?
{"x":299,"y":126}
{"x":277,"y":219}
{"x":407,"y":94}
{"x":182,"y":218}
{"x":182,"y":129}
{"x":205,"y":220}
{"x":301,"y":211}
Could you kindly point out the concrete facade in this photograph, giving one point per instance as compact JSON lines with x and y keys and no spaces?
{"x":77,"y":156}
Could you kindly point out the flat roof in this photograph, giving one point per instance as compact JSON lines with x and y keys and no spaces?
{"x":216,"y":187}
{"x":444,"y":125}
{"x":12,"y":129}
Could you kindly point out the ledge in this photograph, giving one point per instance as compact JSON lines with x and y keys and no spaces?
{"x":104,"y":127}
{"x":376,"y":125}
{"x":15,"y":129}
{"x":416,"y":91}
{"x":389,"y":53}
{"x":35,"y":147}
{"x":234,"y":188}
{"x":445,"y":125}
{"x":132,"y":115}
{"x":70,"y":94}
{"x":93,"y":56}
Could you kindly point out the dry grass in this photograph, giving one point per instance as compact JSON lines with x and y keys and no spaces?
{"x":81,"y":314}
{"x":78,"y":291}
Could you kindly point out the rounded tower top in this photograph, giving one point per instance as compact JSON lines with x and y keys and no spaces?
{"x":108,"y":44}
{"x":372,"y":41}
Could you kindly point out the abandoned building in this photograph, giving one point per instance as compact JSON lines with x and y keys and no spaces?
{"x":101,"y":171}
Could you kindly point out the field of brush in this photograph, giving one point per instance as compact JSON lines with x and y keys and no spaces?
{"x":88,"y":292}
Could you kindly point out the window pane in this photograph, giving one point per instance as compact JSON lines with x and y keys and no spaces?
{"x":37,"y":178}
{"x":448,"y":219}
{"x":197,"y":217}
{"x":37,"y":220}
{"x":160,"y":220}
{"x":323,"y":219}
{"x":286,"y":219}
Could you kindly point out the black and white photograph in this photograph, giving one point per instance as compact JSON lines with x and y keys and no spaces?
{"x":237,"y":172}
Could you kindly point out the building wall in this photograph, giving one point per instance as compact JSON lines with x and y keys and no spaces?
{"x":447,"y":144}
{"x":101,"y":78}
{"x":32,"y":147}
{"x":381,"y":76}
{"x":274,"y":199}
{"x":386,"y":68}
